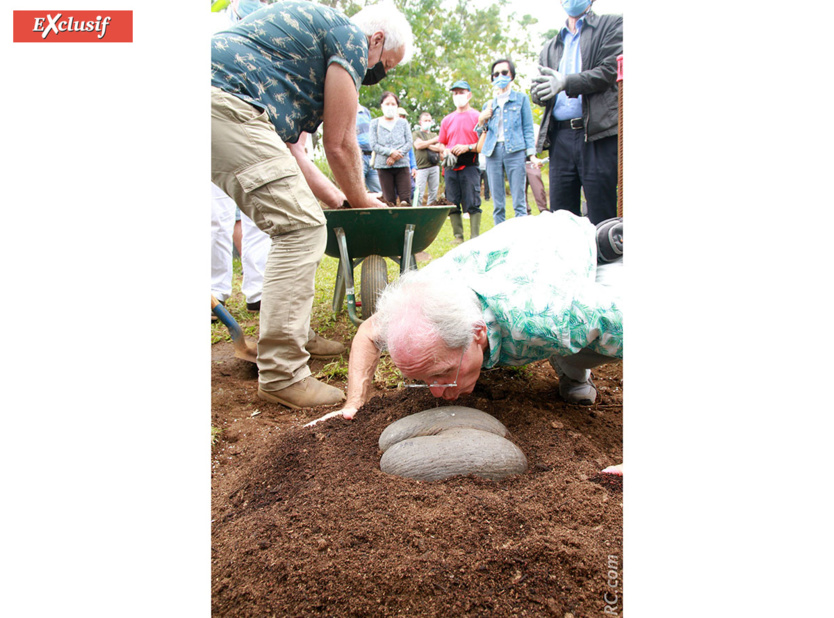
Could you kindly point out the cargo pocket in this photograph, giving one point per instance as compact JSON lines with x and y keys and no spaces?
{"x":279,"y":195}
{"x":263,"y":172}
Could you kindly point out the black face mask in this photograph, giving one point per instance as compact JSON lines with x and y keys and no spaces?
{"x":374,"y":74}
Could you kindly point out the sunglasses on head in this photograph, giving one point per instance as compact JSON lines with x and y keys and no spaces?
{"x":502,"y":72}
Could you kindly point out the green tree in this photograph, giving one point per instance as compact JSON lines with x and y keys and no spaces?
{"x":549,"y":35}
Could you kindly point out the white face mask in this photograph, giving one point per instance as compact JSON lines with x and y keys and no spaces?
{"x":389,"y":111}
{"x":460,"y":100}
{"x":425,"y":125}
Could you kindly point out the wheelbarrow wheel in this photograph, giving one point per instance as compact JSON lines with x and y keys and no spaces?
{"x":374,"y":280}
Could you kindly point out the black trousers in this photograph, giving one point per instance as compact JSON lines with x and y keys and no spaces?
{"x":463,"y":188}
{"x":591,"y":166}
{"x":396,"y":181}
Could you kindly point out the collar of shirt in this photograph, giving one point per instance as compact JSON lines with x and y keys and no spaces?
{"x":565,"y":32}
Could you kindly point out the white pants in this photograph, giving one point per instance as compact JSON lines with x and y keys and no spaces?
{"x":254,"y":247}
{"x":578,"y":367}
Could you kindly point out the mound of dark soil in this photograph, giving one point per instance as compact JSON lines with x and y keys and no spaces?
{"x":305,"y":524}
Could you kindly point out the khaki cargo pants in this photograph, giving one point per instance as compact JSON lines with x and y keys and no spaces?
{"x":255,"y":168}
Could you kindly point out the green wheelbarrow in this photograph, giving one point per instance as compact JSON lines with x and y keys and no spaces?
{"x":367,"y":236}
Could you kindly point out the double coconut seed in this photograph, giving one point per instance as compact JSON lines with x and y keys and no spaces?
{"x":449,"y":441}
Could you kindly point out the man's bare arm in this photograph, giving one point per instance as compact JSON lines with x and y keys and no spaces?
{"x":320,"y":185}
{"x":341,"y":102}
{"x":364,"y":357}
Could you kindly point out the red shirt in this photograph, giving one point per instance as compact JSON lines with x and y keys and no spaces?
{"x":459,"y":128}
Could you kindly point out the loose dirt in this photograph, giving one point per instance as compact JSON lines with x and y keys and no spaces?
{"x":305,"y":524}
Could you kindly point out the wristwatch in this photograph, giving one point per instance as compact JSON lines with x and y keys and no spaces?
{"x":471,"y":147}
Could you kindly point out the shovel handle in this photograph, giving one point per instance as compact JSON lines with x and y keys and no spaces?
{"x":221,"y":312}
{"x":242,"y":348}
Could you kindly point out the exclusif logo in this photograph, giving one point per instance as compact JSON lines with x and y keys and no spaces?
{"x":73,"y":26}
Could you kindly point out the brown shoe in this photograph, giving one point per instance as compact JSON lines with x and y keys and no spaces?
{"x":307,"y":393}
{"x":319,"y":347}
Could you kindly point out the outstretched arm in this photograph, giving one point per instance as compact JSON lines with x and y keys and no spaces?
{"x":364,"y":357}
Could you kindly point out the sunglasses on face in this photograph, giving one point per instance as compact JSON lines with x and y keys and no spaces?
{"x":502,"y":72}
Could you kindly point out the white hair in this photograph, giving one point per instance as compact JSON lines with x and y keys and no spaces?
{"x":421,"y":309}
{"x":386,"y":18}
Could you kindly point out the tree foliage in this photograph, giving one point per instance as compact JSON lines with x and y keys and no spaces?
{"x":453,"y":40}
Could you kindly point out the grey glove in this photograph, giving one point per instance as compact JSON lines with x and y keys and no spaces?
{"x":450,"y":160}
{"x":548,"y":84}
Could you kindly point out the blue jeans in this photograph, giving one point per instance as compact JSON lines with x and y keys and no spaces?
{"x":514,"y":165}
{"x":371,"y":176}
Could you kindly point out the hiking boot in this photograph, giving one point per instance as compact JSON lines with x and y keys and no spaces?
{"x":574,"y":391}
{"x":319,"y":347}
{"x":307,"y":393}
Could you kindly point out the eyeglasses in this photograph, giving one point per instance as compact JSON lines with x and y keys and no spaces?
{"x":501,"y":72}
{"x":435,"y":384}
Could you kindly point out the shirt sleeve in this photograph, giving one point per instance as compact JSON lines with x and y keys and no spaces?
{"x":407,"y":139}
{"x":372,"y":136}
{"x":348,"y":47}
{"x":443,"y":132}
{"x":527,"y":126}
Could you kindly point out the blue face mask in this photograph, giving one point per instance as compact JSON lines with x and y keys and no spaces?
{"x":502,"y":81}
{"x":245,"y":7}
{"x":575,"y":8}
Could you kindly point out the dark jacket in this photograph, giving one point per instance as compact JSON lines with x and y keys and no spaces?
{"x":600,"y":44}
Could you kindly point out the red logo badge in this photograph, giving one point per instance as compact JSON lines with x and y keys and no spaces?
{"x":73,"y":26}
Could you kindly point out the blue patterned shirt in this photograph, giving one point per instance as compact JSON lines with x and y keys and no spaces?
{"x":535,"y":278}
{"x":277,"y":58}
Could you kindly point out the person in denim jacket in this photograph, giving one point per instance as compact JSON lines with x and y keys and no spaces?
{"x":508,"y":121}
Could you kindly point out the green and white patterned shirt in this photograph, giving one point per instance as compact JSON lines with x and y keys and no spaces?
{"x":535,"y":278}
{"x":277,"y":58}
